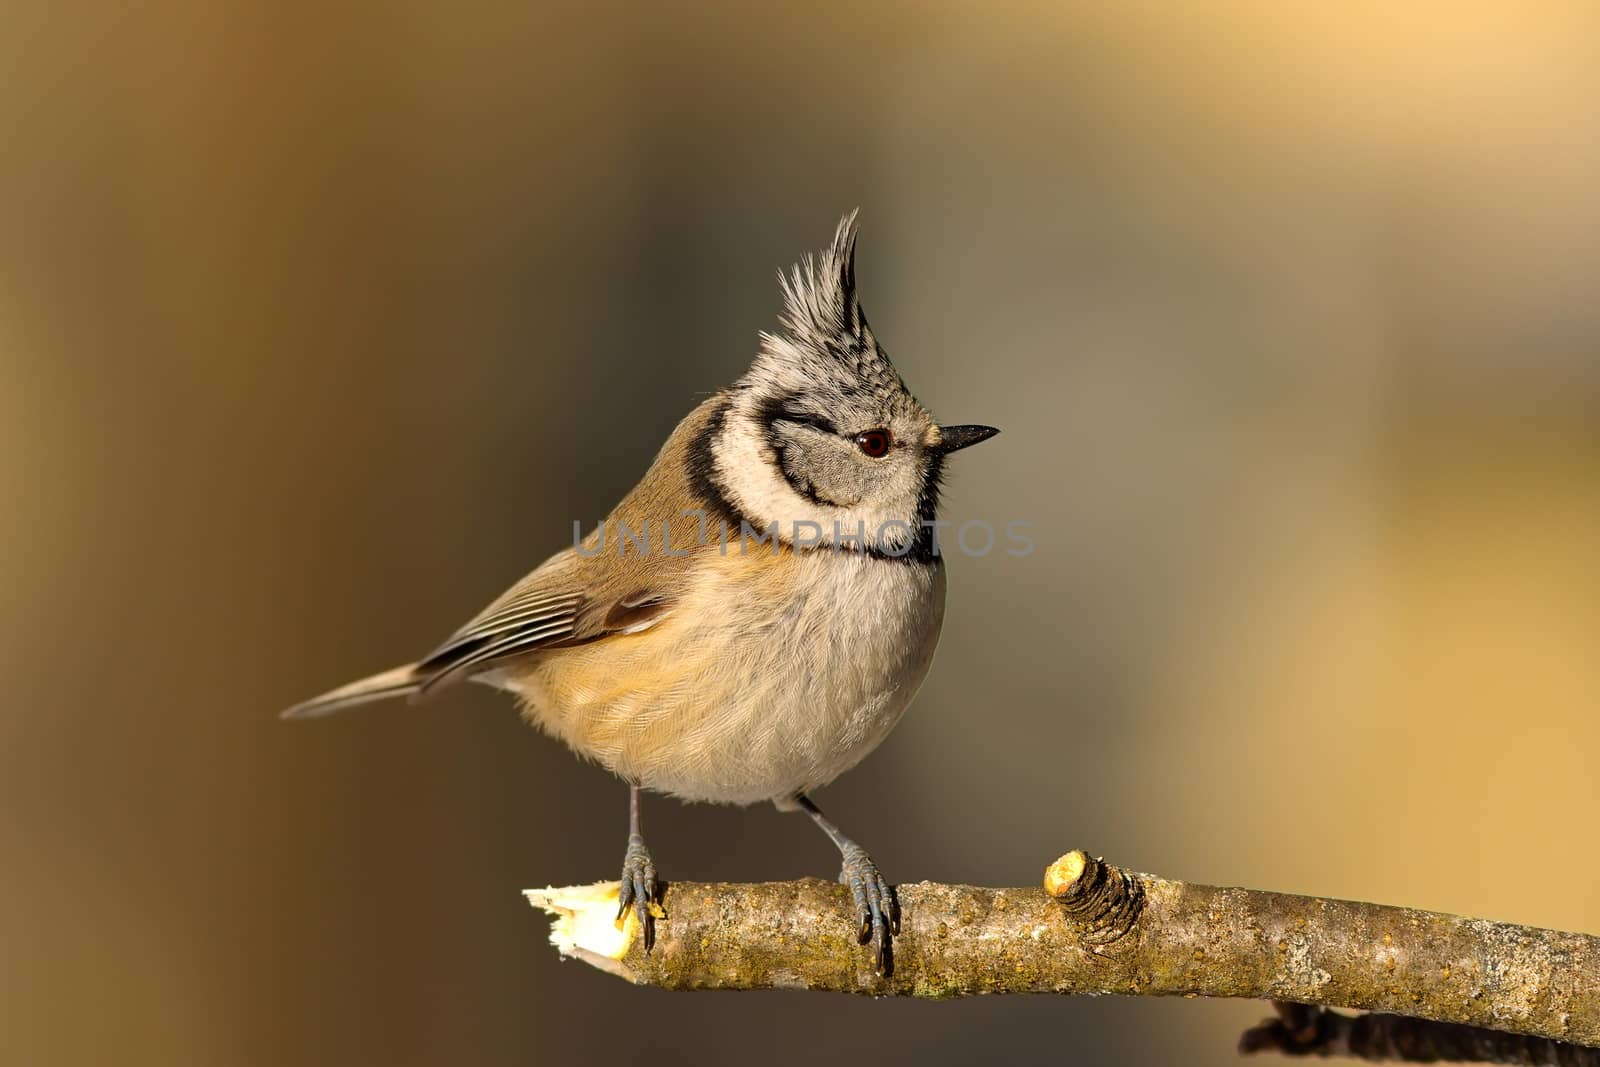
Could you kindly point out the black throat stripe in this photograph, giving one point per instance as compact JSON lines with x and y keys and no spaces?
{"x":701,"y":468}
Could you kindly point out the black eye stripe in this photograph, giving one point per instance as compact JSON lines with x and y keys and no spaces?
{"x":780,"y":409}
{"x":816,"y":422}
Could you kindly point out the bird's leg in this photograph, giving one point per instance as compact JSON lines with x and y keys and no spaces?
{"x":877,"y":908}
{"x":639,"y":886}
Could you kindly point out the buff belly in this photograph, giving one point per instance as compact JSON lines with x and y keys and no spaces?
{"x":774,"y":676}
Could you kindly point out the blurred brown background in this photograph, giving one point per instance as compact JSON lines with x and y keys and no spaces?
{"x":319,"y":325}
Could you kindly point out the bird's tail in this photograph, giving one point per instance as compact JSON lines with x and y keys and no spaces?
{"x":402,"y":681}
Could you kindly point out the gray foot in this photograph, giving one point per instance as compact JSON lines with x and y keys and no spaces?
{"x":877,"y":909}
{"x":640,"y":889}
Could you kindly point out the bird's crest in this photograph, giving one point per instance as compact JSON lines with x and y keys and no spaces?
{"x":822,"y":318}
{"x":819,"y":293}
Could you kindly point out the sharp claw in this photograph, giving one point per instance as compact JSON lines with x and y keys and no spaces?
{"x":647,"y":922}
{"x":876,"y":906}
{"x":880,"y":939}
{"x":640,"y":891}
{"x":864,"y":914}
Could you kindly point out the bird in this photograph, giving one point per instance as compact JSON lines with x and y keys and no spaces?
{"x":755,"y":616}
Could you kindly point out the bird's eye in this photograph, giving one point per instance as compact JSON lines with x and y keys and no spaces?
{"x":874,"y":443}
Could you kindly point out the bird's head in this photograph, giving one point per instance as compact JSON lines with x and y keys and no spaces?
{"x":822,"y":435}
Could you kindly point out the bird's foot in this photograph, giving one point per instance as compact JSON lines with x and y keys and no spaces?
{"x":641,"y":890}
{"x":877,"y":908}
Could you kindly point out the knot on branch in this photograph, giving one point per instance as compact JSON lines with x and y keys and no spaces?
{"x":1100,"y":897}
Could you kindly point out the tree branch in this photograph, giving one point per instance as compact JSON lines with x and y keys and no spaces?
{"x":1096,"y":928}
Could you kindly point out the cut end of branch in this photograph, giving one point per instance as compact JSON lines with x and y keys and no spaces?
{"x":584,"y":923}
{"x":1103,"y":899}
{"x":1063,"y":874}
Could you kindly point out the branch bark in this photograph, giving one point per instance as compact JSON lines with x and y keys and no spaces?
{"x":1096,"y":928}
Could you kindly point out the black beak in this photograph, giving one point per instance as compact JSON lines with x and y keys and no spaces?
{"x":955,"y":438}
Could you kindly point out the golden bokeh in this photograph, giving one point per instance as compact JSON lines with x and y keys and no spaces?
{"x":319,"y":325}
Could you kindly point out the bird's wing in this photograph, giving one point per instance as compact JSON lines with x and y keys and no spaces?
{"x":560,"y":604}
{"x":604,"y":590}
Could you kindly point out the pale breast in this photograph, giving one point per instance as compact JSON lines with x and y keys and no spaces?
{"x":772,"y":676}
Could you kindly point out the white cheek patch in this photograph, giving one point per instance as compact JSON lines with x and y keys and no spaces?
{"x":749,"y":473}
